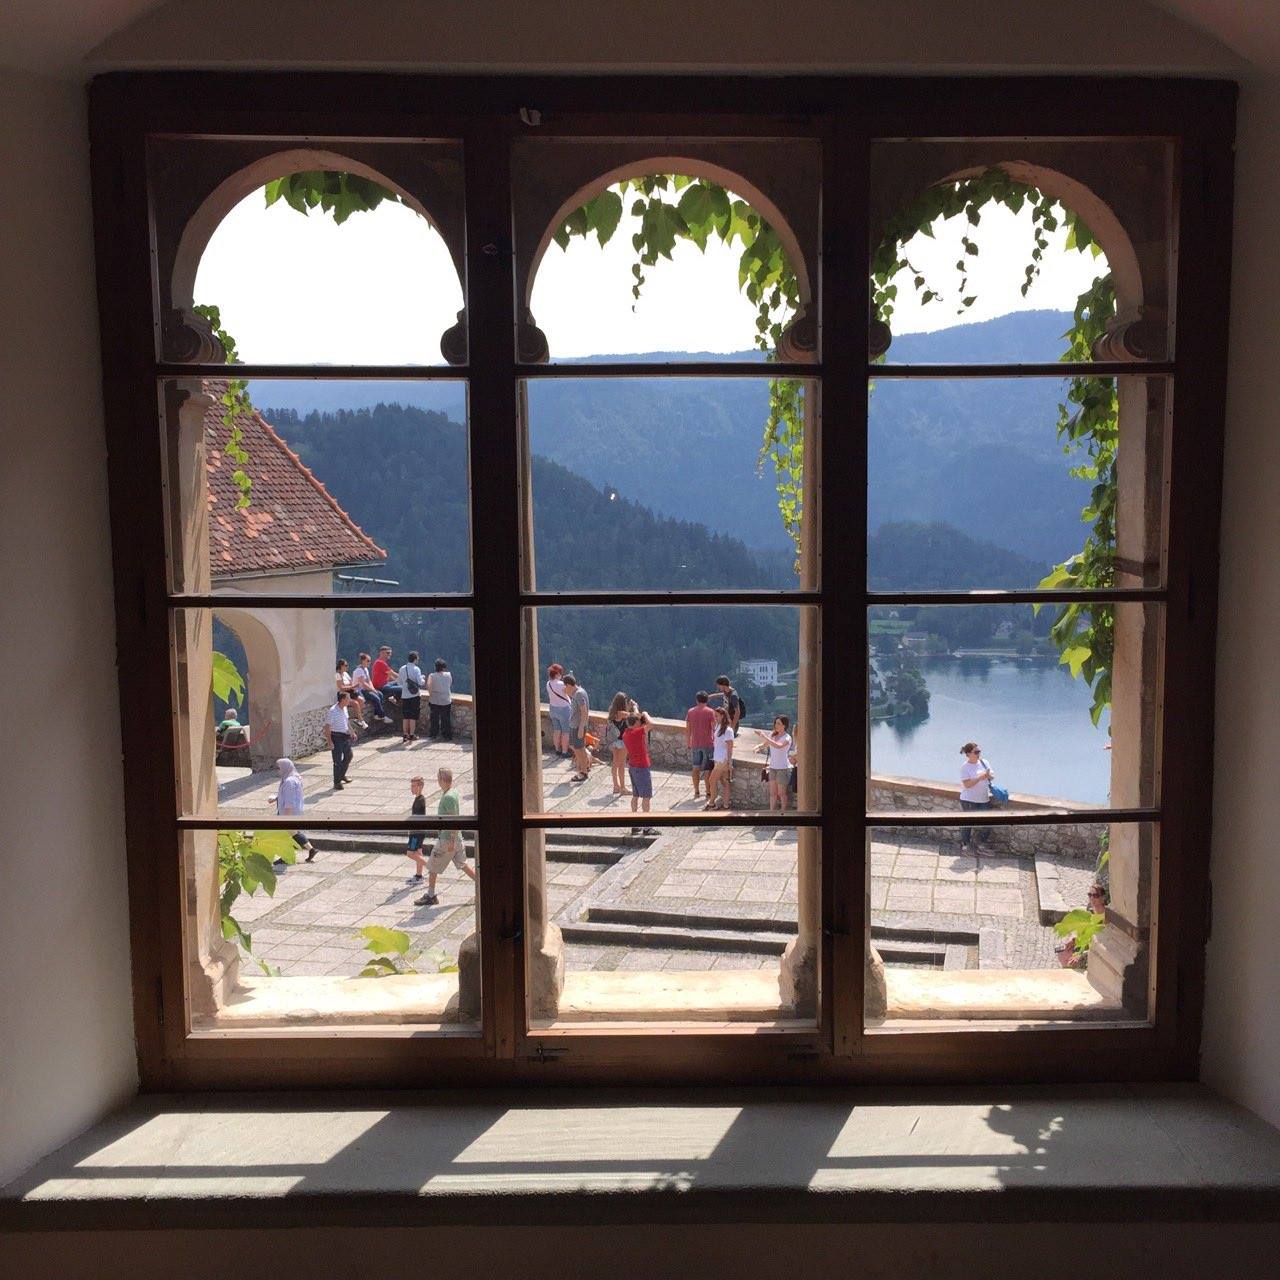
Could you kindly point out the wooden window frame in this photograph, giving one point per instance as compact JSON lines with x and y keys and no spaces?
{"x":845,"y":114}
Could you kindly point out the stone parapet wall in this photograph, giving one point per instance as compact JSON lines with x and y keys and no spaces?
{"x":1068,"y":839}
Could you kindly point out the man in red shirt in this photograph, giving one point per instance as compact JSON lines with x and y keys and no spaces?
{"x":635,"y":737}
{"x":699,"y":733}
{"x":383,"y":673}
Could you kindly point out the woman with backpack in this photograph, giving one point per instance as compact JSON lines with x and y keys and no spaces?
{"x":615,"y":726}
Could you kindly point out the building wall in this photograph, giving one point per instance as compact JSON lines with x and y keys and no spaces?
{"x":65,"y":1005}
{"x":1242,"y":1013}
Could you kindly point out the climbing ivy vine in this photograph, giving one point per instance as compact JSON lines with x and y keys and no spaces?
{"x":235,"y":403}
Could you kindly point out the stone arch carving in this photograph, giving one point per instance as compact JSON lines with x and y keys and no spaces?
{"x":1092,"y":184}
{"x":266,"y":688}
{"x":755,"y":175}
{"x":202,"y":191}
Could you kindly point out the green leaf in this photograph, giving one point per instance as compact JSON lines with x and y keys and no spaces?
{"x":605,"y":212}
{"x":275,"y":844}
{"x":381,"y":939}
{"x":262,"y":871}
{"x":226,"y":679}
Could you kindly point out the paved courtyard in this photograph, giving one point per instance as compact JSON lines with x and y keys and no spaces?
{"x":717,"y":898}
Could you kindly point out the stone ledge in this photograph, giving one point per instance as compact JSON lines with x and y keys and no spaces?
{"x":1159,"y":1153}
{"x":721,"y":995}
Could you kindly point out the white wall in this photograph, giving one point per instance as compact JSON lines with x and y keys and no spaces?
{"x":64,"y":1012}
{"x":1242,"y":1027}
{"x":65,"y":1005}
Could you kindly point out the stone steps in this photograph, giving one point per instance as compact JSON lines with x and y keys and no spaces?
{"x":751,"y":934}
{"x":570,"y":846}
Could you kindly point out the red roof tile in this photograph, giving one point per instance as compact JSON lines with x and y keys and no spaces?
{"x":291,"y":522}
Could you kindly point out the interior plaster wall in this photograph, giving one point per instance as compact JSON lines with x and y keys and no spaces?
{"x":66,"y":1022}
{"x":62,"y":928}
{"x":1241,"y":1054}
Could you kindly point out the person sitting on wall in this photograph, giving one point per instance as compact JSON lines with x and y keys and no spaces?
{"x":230,"y":732}
{"x":363,"y":686}
{"x":383,"y":675}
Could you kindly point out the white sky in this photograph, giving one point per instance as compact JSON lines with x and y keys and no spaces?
{"x":381,"y":288}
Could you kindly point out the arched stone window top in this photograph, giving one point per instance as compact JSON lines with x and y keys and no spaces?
{"x":197,"y":187}
{"x":1108,"y":185}
{"x":779,"y":182}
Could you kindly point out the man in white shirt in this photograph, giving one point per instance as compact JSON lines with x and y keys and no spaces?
{"x":975,"y":791}
{"x":337,"y":733}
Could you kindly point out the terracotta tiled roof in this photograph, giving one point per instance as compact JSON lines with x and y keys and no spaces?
{"x":291,"y":522}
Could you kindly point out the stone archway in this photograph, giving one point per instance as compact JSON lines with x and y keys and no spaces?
{"x":1116,"y":205}
{"x":199,"y":189}
{"x":266,"y":717}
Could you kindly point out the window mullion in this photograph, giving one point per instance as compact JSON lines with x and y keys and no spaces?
{"x":843,"y":541}
{"x":495,"y":487}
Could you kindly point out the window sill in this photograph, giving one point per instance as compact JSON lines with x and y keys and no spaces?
{"x":721,"y":996}
{"x":1156,"y":1153}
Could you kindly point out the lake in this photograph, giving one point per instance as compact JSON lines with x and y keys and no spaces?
{"x":1030,"y":718}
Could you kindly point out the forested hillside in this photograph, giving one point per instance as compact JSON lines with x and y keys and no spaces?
{"x":978,"y":454}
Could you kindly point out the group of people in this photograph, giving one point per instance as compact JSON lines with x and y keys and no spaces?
{"x":448,"y":849}
{"x":379,"y":685}
{"x":712,"y":726}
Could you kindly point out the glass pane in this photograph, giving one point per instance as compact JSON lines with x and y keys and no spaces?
{"x":654,"y":666}
{"x":344,"y":253}
{"x":317,"y":487}
{"x":625,"y":254}
{"x":1021,"y":251}
{"x":1026,"y":924}
{"x":688,"y":925}
{"x":1002,"y":677}
{"x":659,"y":484}
{"x":258,"y":685}
{"x":987,"y":483}
{"x":322,"y":928}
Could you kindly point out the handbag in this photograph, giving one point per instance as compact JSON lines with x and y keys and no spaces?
{"x":999,"y":795}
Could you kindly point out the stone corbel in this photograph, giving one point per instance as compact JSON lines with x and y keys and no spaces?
{"x":1140,"y":334}
{"x":879,"y":336}
{"x":453,"y":342}
{"x":531,"y":342}
{"x":799,"y":341}
{"x":189,"y":338}
{"x":1119,"y":962}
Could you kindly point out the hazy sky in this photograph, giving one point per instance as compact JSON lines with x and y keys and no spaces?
{"x":381,"y":288}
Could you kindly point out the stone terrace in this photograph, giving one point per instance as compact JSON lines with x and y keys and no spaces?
{"x":720,"y":898}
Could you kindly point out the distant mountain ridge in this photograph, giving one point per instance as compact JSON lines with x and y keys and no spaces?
{"x":978,"y":454}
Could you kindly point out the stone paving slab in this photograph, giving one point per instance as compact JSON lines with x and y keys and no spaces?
{"x":310,"y":927}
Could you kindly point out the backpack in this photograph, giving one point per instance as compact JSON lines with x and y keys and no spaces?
{"x":742,"y":708}
{"x":413,"y":687}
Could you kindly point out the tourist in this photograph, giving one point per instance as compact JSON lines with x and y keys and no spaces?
{"x":729,"y":699}
{"x":383,"y":674}
{"x":362,"y":683}
{"x":449,"y":845}
{"x":579,"y":719}
{"x":414,"y":848}
{"x":230,"y":733}
{"x":1097,"y":898}
{"x":615,"y":725}
{"x":560,"y":709}
{"x":337,"y":733}
{"x":440,"y":702}
{"x":343,"y":684}
{"x":780,"y":747}
{"x":699,"y":729}
{"x":721,"y":762}
{"x":975,"y":791}
{"x":290,"y":802}
{"x":635,"y":740}
{"x":411,"y":680}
